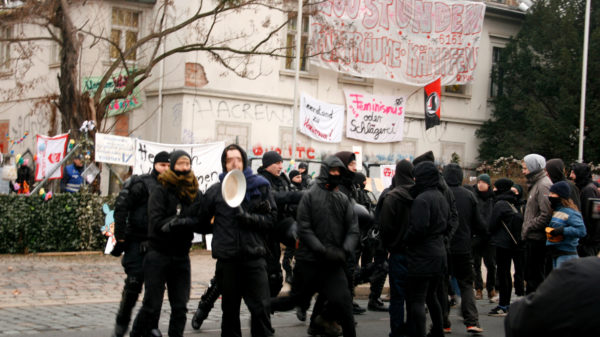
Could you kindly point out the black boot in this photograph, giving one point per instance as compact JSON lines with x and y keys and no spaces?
{"x":376,"y":305}
{"x":207,"y":301}
{"x":129,"y":297}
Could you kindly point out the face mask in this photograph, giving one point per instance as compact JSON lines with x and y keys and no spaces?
{"x":334,"y":181}
{"x":555,"y":202}
{"x":182,"y":173}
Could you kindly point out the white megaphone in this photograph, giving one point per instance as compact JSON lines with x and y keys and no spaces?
{"x":233,"y":188}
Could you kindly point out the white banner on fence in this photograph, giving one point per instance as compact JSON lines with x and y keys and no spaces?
{"x":386,"y":174}
{"x":206,"y":159}
{"x":321,"y":121}
{"x":115,"y":149}
{"x":407,"y":41}
{"x":50,"y":151}
{"x":376,"y":119}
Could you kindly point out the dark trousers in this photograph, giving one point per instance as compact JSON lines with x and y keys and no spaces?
{"x":504,"y":257}
{"x":133,"y":264}
{"x":535,"y":264}
{"x":519,"y":275}
{"x":330,"y":281}
{"x":423,"y":290}
{"x":481,"y":248}
{"x":248,"y":280}
{"x":398,"y":278}
{"x":461,"y":267}
{"x":161,"y":270}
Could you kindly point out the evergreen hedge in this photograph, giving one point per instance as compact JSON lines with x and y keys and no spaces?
{"x":66,"y":222}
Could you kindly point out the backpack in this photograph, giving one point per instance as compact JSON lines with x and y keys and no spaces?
{"x":514,"y":226}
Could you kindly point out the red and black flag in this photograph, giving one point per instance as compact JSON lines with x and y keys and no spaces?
{"x":433,"y":100}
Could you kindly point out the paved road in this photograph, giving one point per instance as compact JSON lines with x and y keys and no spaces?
{"x":78,"y":296}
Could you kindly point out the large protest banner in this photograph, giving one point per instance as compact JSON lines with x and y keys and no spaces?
{"x":206,"y":159}
{"x":50,"y":151}
{"x":376,"y":119}
{"x":407,"y":41}
{"x":321,"y":121}
{"x":113,"y":149}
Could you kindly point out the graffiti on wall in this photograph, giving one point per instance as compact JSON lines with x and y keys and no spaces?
{"x":302,"y":152}
{"x":243,"y":110}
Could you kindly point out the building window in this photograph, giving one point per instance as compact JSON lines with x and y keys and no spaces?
{"x":458,"y":89}
{"x":124,"y":32}
{"x":496,"y":73}
{"x":6,"y":33}
{"x":290,"y":61}
{"x":233,"y":133}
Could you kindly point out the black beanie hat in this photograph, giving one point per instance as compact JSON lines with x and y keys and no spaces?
{"x":427,"y":156}
{"x":503,"y":185}
{"x":294,"y":173}
{"x":303,"y":165}
{"x":561,"y":188}
{"x":270,"y":157}
{"x":161,"y":157}
{"x":176,"y":155}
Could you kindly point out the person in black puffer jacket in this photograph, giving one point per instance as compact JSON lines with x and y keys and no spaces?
{"x":582,"y":175}
{"x":239,"y":245}
{"x":131,"y":233}
{"x":460,"y":260}
{"x":174,"y":215}
{"x":426,"y":253}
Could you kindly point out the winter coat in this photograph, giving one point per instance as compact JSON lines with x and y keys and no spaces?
{"x":325,"y":218}
{"x":555,"y":169}
{"x":426,"y":255}
{"x":486,"y":204}
{"x":538,"y":211}
{"x":502,"y":212}
{"x":163,"y":206}
{"x":285,"y":196}
{"x":131,"y":207}
{"x":587,"y":190}
{"x":231,"y":240}
{"x":394,"y":214}
{"x":564,"y":305}
{"x":573,"y":226}
{"x":469,"y":217}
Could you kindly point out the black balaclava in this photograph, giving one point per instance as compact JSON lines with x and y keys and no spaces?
{"x":453,"y":174}
{"x":583,"y":174}
{"x":347,"y":176}
{"x":229,"y":148}
{"x":173,"y":159}
{"x":503,"y":185}
{"x":325,"y":180}
{"x":161,"y":157}
{"x":360,"y":179}
{"x":556,"y":170}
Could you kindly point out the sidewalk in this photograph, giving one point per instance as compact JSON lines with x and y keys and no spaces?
{"x":54,"y":279}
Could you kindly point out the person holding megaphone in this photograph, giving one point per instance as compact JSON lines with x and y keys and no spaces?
{"x":238,"y":244}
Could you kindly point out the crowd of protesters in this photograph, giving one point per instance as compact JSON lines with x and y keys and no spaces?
{"x":428,"y":232}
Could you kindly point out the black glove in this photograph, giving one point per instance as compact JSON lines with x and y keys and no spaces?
{"x":248,"y":220}
{"x":118,"y":249}
{"x":557,"y":231}
{"x":177,"y":223}
{"x":334,"y":254}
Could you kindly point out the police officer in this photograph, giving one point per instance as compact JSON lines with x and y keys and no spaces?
{"x":131,"y":232}
{"x":72,"y":176}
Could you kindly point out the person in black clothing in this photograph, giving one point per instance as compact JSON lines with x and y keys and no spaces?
{"x":564,"y":305}
{"x":288,"y":255}
{"x":394,"y":217}
{"x":519,"y":258}
{"x":481,"y":243}
{"x":306,"y":178}
{"x":296,"y":179}
{"x":24,"y":178}
{"x":426,"y":254}
{"x":582,"y":175}
{"x":239,"y":245}
{"x":328,"y":232}
{"x":287,"y":203}
{"x":460,"y":260}
{"x":504,"y":231}
{"x":174,"y":215}
{"x":131,"y":233}
{"x":556,"y":172}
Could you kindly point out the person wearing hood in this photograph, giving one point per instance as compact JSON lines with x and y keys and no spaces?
{"x":174,"y":211}
{"x":328,"y":233}
{"x":425,"y":251}
{"x":460,"y":261}
{"x":131,"y":233}
{"x":519,"y":259}
{"x":582,"y":175}
{"x":394,"y":217}
{"x":536,"y":218}
{"x":555,"y":168}
{"x":505,"y":229}
{"x":287,"y":200}
{"x":239,"y":246}
{"x":306,"y":177}
{"x":482,"y":249}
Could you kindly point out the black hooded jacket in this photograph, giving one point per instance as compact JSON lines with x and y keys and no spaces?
{"x":325,"y":218}
{"x":556,"y":171}
{"x":131,"y":207}
{"x":502,"y":215}
{"x":347,"y":186}
{"x":469,"y":217}
{"x":428,"y":224}
{"x":587,"y":190}
{"x":395,"y":209}
{"x":286,"y":197}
